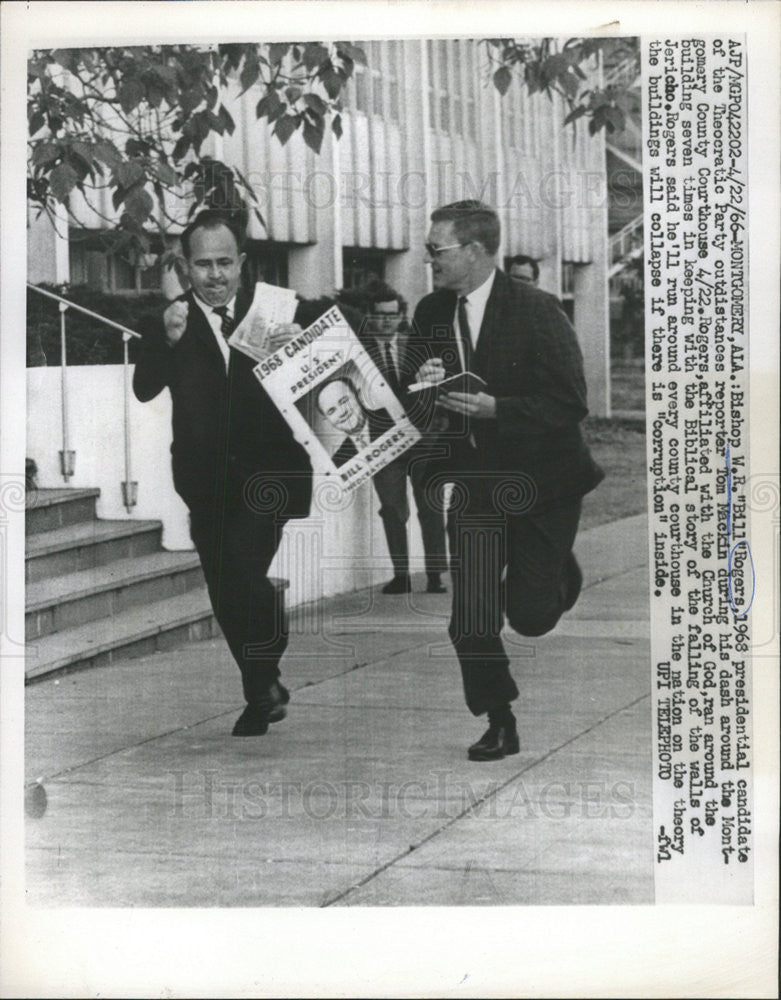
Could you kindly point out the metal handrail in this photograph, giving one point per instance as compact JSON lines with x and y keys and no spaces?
{"x":68,"y":455}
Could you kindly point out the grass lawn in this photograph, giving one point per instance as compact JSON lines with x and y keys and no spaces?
{"x":619,"y":448}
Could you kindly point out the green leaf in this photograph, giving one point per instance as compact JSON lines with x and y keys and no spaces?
{"x":353,"y":52}
{"x":131,"y":93}
{"x":315,"y":54}
{"x":166,"y":174}
{"x":333,"y":83}
{"x":62,"y":181}
{"x":129,"y":172}
{"x":225,"y":120}
{"x":502,"y":80}
{"x":250,"y":72}
{"x":313,"y":134}
{"x":67,"y":58}
{"x":336,"y":126}
{"x":277,"y":52}
{"x":44,"y":153}
{"x":36,"y":122}
{"x":270,"y":105}
{"x":576,"y":113}
{"x":139,"y":205}
{"x":107,"y":153}
{"x":316,"y":104}
{"x":292,"y":93}
{"x":285,"y":126}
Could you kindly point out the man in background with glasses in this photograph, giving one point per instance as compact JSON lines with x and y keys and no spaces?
{"x":384,"y":334}
{"x":513,"y":452}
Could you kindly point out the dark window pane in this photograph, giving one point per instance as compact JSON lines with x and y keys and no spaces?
{"x":377,"y":94}
{"x":361,"y":91}
{"x":444,"y":114}
{"x":393,"y":95}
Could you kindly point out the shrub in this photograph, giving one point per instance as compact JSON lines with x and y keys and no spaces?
{"x":88,"y":341}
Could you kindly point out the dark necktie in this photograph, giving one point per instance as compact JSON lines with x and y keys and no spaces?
{"x":391,"y":376}
{"x":226,"y":322}
{"x":466,"y":336}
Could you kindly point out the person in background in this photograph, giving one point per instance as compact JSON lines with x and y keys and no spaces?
{"x":525,"y":269}
{"x":384,"y":334}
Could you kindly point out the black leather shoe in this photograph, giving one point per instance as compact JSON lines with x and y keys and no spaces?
{"x":280,"y":696}
{"x":497,"y":741}
{"x":254,"y":720}
{"x":400,"y":584}
{"x":434,"y":585}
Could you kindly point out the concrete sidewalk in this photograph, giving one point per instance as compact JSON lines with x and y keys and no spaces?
{"x":363,"y":795}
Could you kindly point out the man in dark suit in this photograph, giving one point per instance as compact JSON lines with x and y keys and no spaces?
{"x":515,"y":454}
{"x":383,"y":333}
{"x":235,"y":462}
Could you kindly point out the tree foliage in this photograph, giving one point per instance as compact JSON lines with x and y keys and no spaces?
{"x":542,"y":66}
{"x":139,"y":122}
{"x":135,"y":120}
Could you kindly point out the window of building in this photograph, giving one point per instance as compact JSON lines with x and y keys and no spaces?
{"x":568,"y":288}
{"x":93,"y":263}
{"x":266,"y":261}
{"x":376,"y":87}
{"x":452,"y":85}
{"x":359,"y":264}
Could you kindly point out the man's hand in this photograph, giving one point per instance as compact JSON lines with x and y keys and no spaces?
{"x":280,"y":333}
{"x":478,"y":404}
{"x":175,"y":320}
{"x":431,"y":371}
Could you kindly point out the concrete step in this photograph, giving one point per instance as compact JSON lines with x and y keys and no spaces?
{"x":135,"y":631}
{"x":62,"y":602}
{"x":50,"y":509}
{"x":80,"y":546}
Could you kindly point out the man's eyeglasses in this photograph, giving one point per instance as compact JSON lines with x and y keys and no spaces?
{"x":378,"y":317}
{"x":434,"y":251}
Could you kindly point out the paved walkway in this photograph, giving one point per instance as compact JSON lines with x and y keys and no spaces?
{"x":363,"y":795}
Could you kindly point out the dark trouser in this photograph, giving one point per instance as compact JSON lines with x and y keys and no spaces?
{"x":534,"y":554}
{"x":236,"y":546}
{"x":391,"y":486}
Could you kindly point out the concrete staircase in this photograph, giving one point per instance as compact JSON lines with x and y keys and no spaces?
{"x":102,"y":590}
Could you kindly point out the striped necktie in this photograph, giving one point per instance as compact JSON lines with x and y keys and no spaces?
{"x":226,"y":321}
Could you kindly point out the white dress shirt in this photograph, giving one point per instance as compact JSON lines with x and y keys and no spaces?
{"x":215,"y":322}
{"x":475,"y":305}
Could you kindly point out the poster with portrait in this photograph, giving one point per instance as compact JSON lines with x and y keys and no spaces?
{"x":337,"y":402}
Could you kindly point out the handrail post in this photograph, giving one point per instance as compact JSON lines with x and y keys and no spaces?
{"x":67,"y":456}
{"x":129,"y":486}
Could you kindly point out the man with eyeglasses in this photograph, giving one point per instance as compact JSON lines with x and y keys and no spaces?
{"x":514,"y":454}
{"x":384,"y":335}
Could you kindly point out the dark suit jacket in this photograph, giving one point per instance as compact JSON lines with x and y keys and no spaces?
{"x":226,"y":429}
{"x":379,"y":422}
{"x":528,"y":354}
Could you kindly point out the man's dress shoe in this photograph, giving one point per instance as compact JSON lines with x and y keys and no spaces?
{"x":497,"y":741}
{"x":398,"y":585}
{"x":280,"y":696}
{"x":254,"y":720}
{"x":434,"y":585}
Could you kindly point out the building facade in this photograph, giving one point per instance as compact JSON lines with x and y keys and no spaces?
{"x":423,"y":126}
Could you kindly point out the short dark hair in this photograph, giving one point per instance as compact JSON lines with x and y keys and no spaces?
{"x":521,"y":259}
{"x":212,"y":218}
{"x":366,"y":295}
{"x":473,"y":222}
{"x":338,"y":378}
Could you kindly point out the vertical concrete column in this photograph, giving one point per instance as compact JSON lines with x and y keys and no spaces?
{"x":406,"y":271}
{"x":317,"y":269}
{"x":592,"y":322}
